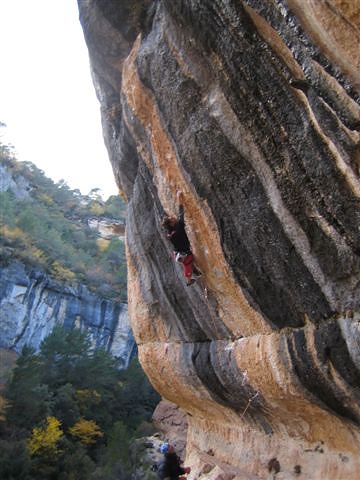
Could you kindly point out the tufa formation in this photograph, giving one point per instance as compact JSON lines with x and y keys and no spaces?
{"x":251,"y":109}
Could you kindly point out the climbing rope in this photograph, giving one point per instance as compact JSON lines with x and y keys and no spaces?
{"x":206,"y":297}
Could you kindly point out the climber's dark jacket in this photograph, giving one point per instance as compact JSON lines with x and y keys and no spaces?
{"x":170,"y":467}
{"x":177,"y":234}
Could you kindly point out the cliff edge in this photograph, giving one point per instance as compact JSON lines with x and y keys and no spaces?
{"x":251,"y":108}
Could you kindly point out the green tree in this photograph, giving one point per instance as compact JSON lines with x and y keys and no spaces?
{"x":115,"y":207}
{"x":66,"y":406}
{"x":7,"y":209}
{"x":76,"y":465}
{"x":30,"y":401}
{"x":118,"y":445}
{"x":14,"y":459}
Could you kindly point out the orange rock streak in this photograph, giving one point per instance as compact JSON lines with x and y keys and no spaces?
{"x":168,"y":176}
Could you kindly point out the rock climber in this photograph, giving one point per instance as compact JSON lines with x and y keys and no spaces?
{"x":175,"y":232}
{"x":170,"y":467}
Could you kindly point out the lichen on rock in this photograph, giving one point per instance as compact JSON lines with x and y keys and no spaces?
{"x":251,"y":109}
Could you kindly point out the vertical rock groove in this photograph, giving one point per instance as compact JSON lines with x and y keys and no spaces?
{"x":251,"y":108}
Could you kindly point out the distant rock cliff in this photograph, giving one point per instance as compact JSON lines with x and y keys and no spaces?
{"x":251,"y":108}
{"x":32,"y":303}
{"x":19,"y":186}
{"x":107,"y":227}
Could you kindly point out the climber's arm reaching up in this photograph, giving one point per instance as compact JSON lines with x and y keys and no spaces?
{"x":179,"y":198}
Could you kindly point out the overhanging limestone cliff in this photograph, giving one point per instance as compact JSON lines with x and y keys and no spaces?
{"x":251,"y":109}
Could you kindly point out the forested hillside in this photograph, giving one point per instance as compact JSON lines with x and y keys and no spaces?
{"x":44,"y":224}
{"x":69,"y":413}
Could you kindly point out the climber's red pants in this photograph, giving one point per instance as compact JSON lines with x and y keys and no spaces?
{"x":187,"y":263}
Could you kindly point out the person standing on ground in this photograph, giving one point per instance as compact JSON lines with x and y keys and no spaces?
{"x":170,"y":468}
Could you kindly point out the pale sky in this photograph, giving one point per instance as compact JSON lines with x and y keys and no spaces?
{"x":47,"y":98}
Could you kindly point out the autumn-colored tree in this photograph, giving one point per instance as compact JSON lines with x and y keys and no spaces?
{"x":63,"y":273}
{"x":45,"y":440}
{"x":87,"y":431}
{"x":87,"y":397}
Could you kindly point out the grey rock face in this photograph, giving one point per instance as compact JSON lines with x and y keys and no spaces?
{"x":251,"y":109}
{"x":107,"y":228}
{"x":19,"y":186}
{"x":31,"y":304}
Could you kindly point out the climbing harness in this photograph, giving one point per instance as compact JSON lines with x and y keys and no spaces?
{"x":180,"y":256}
